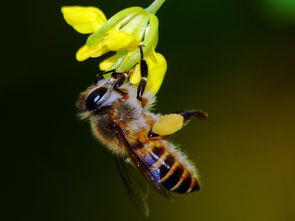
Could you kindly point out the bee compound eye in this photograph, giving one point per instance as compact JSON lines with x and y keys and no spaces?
{"x":94,"y":98}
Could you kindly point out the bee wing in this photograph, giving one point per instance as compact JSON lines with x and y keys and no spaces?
{"x":137,"y":189}
{"x":143,"y":167}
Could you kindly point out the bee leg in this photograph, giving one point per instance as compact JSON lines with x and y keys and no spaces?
{"x":187,"y":115}
{"x":144,"y":73}
{"x":167,"y":125}
{"x":153,"y":135}
{"x":171,"y":123}
{"x":99,"y":77}
{"x":121,"y":77}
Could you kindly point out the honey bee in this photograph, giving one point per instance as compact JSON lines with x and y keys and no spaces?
{"x":120,"y":118}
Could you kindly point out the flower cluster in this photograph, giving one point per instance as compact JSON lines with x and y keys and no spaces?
{"x":123,"y":33}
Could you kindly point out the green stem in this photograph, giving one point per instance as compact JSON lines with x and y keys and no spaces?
{"x":154,"y":7}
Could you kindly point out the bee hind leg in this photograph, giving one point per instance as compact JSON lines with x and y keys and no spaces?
{"x":171,"y":123}
{"x":167,"y":125}
{"x":187,"y":115}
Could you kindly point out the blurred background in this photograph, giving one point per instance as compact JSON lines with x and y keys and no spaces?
{"x":231,"y":58}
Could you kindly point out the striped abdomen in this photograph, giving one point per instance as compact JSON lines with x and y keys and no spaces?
{"x":168,"y":167}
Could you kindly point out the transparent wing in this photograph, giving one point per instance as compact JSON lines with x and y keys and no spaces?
{"x":136,"y":186}
{"x":143,"y":167}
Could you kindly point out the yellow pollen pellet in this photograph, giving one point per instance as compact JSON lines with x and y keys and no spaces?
{"x":168,"y":124}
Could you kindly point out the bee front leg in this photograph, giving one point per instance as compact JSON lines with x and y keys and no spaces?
{"x":99,"y":77}
{"x":144,"y":74}
{"x":121,"y":77}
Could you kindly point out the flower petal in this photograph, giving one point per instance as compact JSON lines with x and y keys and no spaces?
{"x":149,"y":41}
{"x":84,"y":19}
{"x":86,"y":52}
{"x":157,"y":68}
{"x":83,"y":53}
{"x":137,"y":26}
{"x":108,"y":63}
{"x":115,"y":22}
{"x":135,"y":75}
{"x":116,"y":40}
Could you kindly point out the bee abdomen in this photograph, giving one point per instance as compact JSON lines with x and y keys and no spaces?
{"x":187,"y":184}
{"x":179,"y":179}
{"x":174,"y":175}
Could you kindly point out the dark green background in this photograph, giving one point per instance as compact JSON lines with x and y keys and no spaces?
{"x":231,"y":58}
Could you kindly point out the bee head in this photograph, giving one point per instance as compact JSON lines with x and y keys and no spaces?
{"x":96,"y":96}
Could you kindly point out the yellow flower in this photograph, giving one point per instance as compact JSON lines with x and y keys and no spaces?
{"x":85,"y":20}
{"x":122,"y":33}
